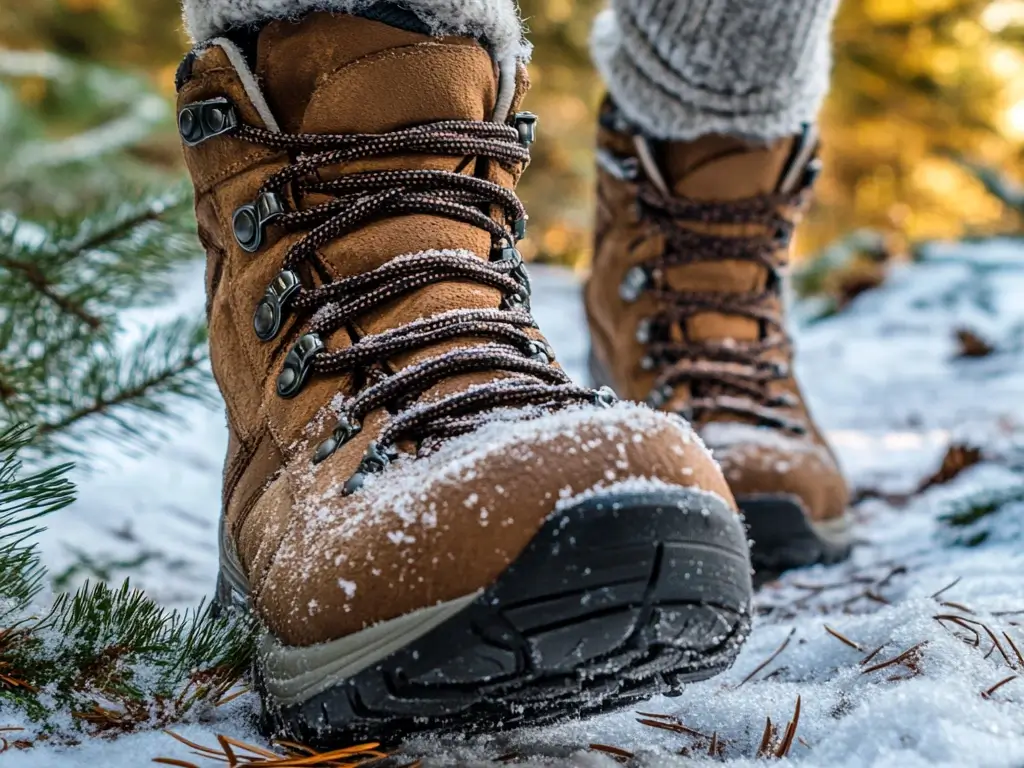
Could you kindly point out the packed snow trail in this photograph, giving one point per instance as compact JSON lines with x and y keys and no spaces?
{"x":896,"y":656}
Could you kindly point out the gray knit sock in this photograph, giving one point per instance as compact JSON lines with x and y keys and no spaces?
{"x":685,"y":68}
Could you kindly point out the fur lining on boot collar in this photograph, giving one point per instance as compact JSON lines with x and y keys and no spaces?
{"x":496,"y":22}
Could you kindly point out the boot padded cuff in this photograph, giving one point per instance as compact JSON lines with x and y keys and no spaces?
{"x":496,"y":23}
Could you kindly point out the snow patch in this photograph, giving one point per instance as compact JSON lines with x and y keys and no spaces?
{"x":348,"y":587}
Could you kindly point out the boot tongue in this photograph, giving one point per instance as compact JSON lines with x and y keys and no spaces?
{"x":719,"y":168}
{"x":723,"y":167}
{"x":307,"y":79}
{"x":341,"y":74}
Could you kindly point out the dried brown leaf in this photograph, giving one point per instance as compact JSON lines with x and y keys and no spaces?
{"x":972,"y":345}
{"x":958,"y":457}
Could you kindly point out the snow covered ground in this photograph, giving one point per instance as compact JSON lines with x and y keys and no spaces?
{"x":943,"y":601}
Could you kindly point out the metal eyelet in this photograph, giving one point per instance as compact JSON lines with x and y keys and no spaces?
{"x":520,"y":299}
{"x":540,"y":351}
{"x":645,"y":330}
{"x":647,"y":363}
{"x":205,"y":119}
{"x":658,"y":397}
{"x":249,"y":223}
{"x":811,"y":172}
{"x":343,"y":432}
{"x":375,"y":460}
{"x":518,"y":271}
{"x":269,"y":314}
{"x":634,"y":283}
{"x":298,"y":365}
{"x":605,"y":397}
{"x":525,"y":124}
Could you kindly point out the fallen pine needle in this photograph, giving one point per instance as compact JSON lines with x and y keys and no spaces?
{"x":675,"y":727}
{"x":232,"y":695}
{"x":764,"y":750}
{"x":620,"y":754}
{"x":844,"y":639}
{"x":4,"y":744}
{"x":871,"y":655}
{"x":657,"y":715}
{"x":714,"y":749}
{"x":992,"y":637}
{"x":1015,"y":649}
{"x":771,"y":658}
{"x":946,"y":588}
{"x":988,"y":694}
{"x":905,"y":656}
{"x":960,"y":621}
{"x":787,"y":739}
{"x":298,"y":756}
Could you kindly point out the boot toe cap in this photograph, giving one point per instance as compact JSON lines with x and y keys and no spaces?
{"x":758,"y":461}
{"x":434,"y":529}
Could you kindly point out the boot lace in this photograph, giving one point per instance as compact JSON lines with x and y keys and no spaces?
{"x":725,"y":376}
{"x":360,"y":197}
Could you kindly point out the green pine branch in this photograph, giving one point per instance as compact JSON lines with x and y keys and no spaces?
{"x":102,"y":657}
{"x":64,"y":283}
{"x":78,"y":247}
{"x":23,"y":500}
{"x":103,"y":113}
{"x":167,"y":365}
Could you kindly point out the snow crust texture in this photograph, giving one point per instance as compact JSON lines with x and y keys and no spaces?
{"x":896,"y":656}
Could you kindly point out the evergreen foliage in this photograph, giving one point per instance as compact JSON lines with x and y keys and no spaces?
{"x":89,"y":230}
{"x":69,"y":269}
{"x":109,"y":658}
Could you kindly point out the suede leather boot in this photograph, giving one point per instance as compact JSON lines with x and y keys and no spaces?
{"x":435,"y":527}
{"x":686,"y":312}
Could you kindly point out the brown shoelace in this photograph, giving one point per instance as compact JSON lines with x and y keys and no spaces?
{"x":724,"y":376}
{"x":357,"y":199}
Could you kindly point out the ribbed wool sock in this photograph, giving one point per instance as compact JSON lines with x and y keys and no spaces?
{"x":686,"y":68}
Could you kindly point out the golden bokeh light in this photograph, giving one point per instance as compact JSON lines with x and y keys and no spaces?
{"x":923,"y":90}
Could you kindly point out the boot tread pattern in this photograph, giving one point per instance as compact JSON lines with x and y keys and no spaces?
{"x":615,"y":600}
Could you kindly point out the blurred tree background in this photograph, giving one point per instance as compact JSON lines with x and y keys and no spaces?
{"x":925,"y":120}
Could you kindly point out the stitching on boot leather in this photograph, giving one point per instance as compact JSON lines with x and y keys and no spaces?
{"x":426,"y":48}
{"x":248,"y":162}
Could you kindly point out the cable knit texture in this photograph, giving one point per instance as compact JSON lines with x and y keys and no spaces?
{"x":496,"y":22}
{"x":680,"y":69}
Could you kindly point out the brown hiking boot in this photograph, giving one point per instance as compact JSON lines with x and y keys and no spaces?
{"x":686,"y":313}
{"x":435,"y":527}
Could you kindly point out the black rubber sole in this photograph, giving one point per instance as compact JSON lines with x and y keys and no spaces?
{"x":782,"y":537}
{"x":616,"y":599}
